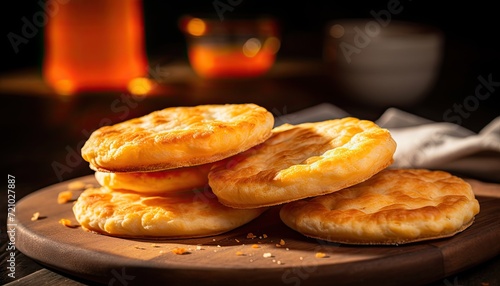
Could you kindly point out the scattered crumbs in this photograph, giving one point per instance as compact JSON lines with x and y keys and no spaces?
{"x":198,"y":247}
{"x":139,"y":247}
{"x":320,"y":255}
{"x":282,"y":242}
{"x":155,"y":245}
{"x":255,"y":246}
{"x":260,"y":237}
{"x":274,"y":260}
{"x":77,"y":185}
{"x":237,"y":240}
{"x":239,"y":253}
{"x":279,"y":262}
{"x":267,"y":255}
{"x":180,"y":251}
{"x":215,"y":250}
{"x":213,"y":239}
{"x":251,"y":235}
{"x":218,"y":245}
{"x":264,"y":235}
{"x":35,"y":216}
{"x":64,"y":197}
{"x":67,"y":223}
{"x":161,"y":251}
{"x":301,"y":258}
{"x":287,"y":249}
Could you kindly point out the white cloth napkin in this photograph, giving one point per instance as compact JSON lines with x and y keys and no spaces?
{"x":422,"y":143}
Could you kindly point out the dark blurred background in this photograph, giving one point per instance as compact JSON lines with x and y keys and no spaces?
{"x":473,"y":24}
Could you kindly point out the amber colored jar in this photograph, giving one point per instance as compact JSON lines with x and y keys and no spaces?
{"x":233,"y":48}
{"x":94,"y":45}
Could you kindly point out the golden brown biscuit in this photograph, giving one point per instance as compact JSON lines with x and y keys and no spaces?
{"x":393,"y":207}
{"x":301,"y":161}
{"x":181,"y":214}
{"x":177,"y":137}
{"x":179,"y":179}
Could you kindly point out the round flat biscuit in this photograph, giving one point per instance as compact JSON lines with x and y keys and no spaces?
{"x":159,"y":182}
{"x":304,"y":160}
{"x":395,"y":206}
{"x":176,"y":215}
{"x":177,"y":137}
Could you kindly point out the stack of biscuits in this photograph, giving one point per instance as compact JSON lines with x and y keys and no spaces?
{"x":204,"y":170}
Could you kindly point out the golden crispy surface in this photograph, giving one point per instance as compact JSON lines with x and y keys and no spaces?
{"x":392,"y":207}
{"x":177,"y":137}
{"x":181,"y":214}
{"x":179,"y":179}
{"x":301,"y":161}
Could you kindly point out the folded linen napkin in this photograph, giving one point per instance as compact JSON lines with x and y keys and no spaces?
{"x":422,"y":143}
{"x":444,"y":145}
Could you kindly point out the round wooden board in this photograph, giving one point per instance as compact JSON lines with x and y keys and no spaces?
{"x":214,"y":260}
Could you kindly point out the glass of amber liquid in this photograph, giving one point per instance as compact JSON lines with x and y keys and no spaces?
{"x":94,"y":45}
{"x":233,"y":48}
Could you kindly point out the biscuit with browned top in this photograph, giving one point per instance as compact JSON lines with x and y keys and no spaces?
{"x":304,"y":160}
{"x":177,"y":137}
{"x":159,"y":182}
{"x":393,"y":207}
{"x":186,"y":214}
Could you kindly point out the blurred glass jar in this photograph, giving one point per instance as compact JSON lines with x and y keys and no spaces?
{"x":94,"y":45}
{"x":233,"y":48}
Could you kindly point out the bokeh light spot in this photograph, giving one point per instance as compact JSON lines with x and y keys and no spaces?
{"x":251,"y":47}
{"x":196,"y":27}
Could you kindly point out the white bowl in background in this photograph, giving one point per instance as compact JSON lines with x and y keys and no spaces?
{"x":395,"y":64}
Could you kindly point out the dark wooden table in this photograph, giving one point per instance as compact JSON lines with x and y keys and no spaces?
{"x":43,"y":133}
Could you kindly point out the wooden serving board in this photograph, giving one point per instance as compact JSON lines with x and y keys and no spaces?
{"x":214,"y":260}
